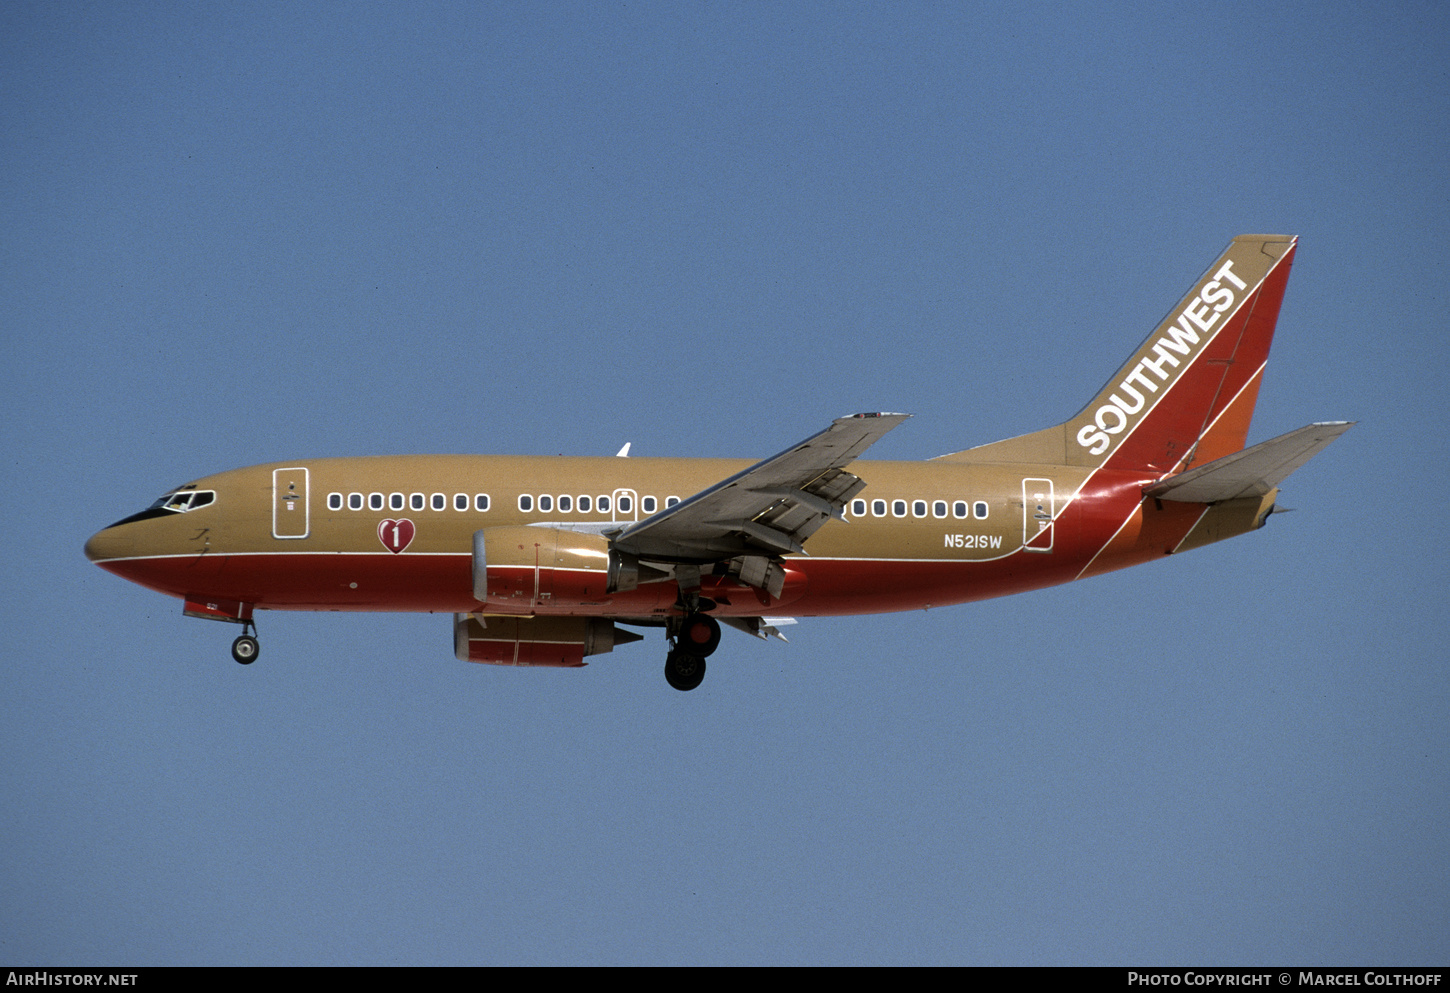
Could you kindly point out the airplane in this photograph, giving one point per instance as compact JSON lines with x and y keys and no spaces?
{"x":544,"y":561}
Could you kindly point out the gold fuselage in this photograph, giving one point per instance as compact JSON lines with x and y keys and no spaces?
{"x":328,"y":534}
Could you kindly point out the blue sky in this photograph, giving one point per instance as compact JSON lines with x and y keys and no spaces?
{"x":241,"y":234}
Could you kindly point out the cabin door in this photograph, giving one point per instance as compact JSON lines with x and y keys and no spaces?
{"x":1038,"y":510}
{"x":291,"y":511}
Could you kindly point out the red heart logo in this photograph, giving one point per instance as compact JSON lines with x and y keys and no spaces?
{"x":396,"y":535}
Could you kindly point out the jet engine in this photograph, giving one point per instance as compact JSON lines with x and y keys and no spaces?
{"x":542,"y":641}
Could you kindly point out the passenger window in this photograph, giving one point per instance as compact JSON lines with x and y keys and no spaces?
{"x":417,"y":501}
{"x":959,"y":509}
{"x":981,"y":510}
{"x":354,"y":501}
{"x":858,"y":508}
{"x":649,"y":504}
{"x":670,"y":501}
{"x":939,"y":508}
{"x":396,"y":501}
{"x":603,"y":504}
{"x":918,"y":508}
{"x":375,"y":501}
{"x":480,"y":502}
{"x":460,"y":501}
{"x":584,"y":504}
{"x":878,"y":508}
{"x":898,"y":508}
{"x":624,"y":504}
{"x":526,"y":502}
{"x":566,"y":504}
{"x":440,"y":502}
{"x":334,"y":501}
{"x":546,"y":503}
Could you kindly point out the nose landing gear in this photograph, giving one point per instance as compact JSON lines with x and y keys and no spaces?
{"x":246,"y":648}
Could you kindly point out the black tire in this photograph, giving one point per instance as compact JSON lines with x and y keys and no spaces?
{"x":699,"y":635}
{"x":684,"y":671}
{"x":245,"y":649}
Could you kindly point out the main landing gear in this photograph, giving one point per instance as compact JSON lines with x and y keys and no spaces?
{"x":697,"y":637}
{"x":246,"y":648}
{"x":683,"y":671}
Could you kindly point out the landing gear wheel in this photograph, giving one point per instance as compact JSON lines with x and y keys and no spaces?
{"x":699,"y":635}
{"x":245,"y":649}
{"x":684,"y":671}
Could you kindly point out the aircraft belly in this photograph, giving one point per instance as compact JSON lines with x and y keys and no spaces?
{"x":867,"y":586}
{"x":324,"y":581}
{"x":314,"y":581}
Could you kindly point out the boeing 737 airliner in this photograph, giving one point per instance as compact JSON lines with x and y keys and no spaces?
{"x":544,"y":561}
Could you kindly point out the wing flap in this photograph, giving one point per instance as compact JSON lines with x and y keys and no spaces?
{"x":1252,"y":472}
{"x":761,"y":627}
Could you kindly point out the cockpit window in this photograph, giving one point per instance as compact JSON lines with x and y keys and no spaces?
{"x":184,"y":500}
{"x":175,"y":502}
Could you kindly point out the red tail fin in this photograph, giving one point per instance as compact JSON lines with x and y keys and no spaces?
{"x":1187,"y":394}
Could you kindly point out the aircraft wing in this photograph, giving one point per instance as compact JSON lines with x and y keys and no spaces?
{"x":769,"y":509}
{"x":1253,"y":471}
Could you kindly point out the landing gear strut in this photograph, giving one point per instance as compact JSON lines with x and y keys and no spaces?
{"x":246,"y":648}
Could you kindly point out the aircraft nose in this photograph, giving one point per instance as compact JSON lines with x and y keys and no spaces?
{"x":110,"y":543}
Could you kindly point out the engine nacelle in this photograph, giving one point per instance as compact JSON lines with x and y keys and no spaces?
{"x":543,"y":641}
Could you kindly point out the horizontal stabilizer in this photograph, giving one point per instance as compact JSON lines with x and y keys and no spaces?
{"x":1252,"y":472}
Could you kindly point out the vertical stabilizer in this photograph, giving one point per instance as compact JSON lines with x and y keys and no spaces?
{"x":1187,"y":394}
